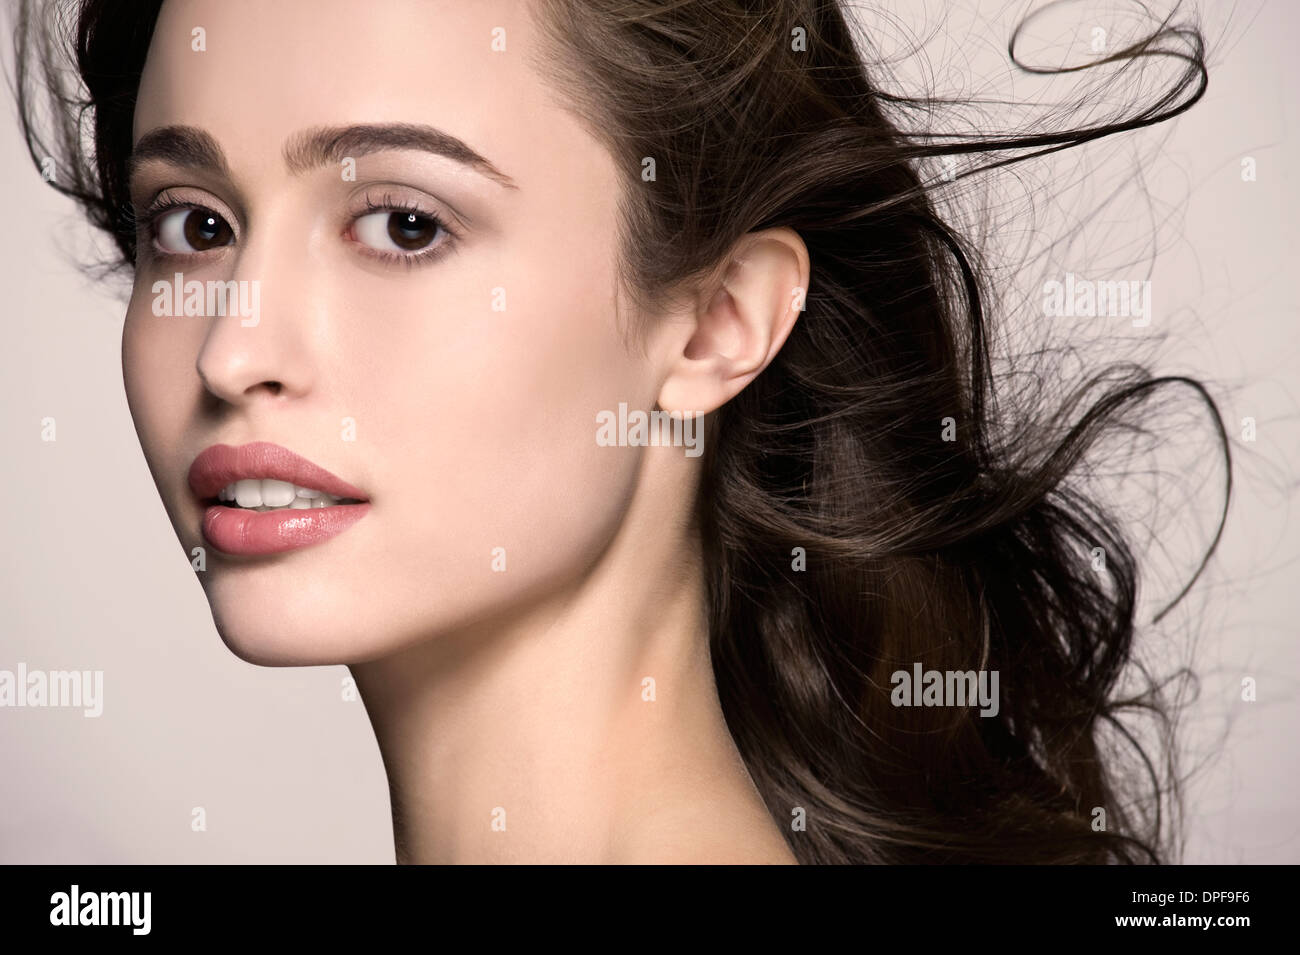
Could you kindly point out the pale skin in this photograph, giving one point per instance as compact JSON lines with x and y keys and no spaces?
{"x":519,"y":689}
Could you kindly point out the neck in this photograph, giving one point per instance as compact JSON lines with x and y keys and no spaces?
{"x":585,"y":728}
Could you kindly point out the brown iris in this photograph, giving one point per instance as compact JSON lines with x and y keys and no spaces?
{"x":203,"y":230}
{"x":410,"y":231}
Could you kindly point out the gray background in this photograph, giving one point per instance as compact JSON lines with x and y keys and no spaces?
{"x":287,"y":771}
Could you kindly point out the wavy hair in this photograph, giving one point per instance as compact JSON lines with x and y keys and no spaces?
{"x":938,"y":526}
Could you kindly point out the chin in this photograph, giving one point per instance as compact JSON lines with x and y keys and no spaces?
{"x":263,"y":643}
{"x":308,"y":624}
{"x":278,"y":617}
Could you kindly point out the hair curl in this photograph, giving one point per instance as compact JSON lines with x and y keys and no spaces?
{"x":962,"y":555}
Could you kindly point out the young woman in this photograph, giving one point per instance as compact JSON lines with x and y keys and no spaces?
{"x":597,"y":379}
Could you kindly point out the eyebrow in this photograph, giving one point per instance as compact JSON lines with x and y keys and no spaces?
{"x":327,"y":145}
{"x":320,"y":146}
{"x":180,"y":146}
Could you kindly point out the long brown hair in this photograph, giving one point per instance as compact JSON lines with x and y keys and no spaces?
{"x":868,"y":504}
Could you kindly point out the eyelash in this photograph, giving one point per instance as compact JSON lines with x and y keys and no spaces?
{"x":391,"y":205}
{"x":164,"y":204}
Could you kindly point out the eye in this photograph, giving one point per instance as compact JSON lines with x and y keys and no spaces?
{"x":187,"y":230}
{"x":398,"y":230}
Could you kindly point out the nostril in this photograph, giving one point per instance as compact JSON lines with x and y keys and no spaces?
{"x":271,"y":388}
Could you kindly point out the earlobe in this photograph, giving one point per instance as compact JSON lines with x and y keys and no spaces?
{"x":743,"y":316}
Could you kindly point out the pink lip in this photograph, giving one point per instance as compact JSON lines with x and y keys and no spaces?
{"x":257,"y":533}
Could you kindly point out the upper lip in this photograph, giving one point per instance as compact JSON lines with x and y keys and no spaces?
{"x":223,"y":464}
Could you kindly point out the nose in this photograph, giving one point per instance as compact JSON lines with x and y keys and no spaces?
{"x":258,"y":348}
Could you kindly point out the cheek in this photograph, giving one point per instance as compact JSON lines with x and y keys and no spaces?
{"x":158,"y":355}
{"x":484,"y":427}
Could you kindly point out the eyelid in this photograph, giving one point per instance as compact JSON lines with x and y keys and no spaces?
{"x":378,"y":196}
{"x":173,"y":197}
{"x":448,"y":245}
{"x":370,"y":199}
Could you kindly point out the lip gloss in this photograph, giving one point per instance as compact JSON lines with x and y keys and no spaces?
{"x":240,"y":532}
{"x":245,"y":532}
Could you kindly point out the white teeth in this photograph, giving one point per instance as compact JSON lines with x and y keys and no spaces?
{"x":276,"y":493}
{"x":248,"y":493}
{"x":269,"y":494}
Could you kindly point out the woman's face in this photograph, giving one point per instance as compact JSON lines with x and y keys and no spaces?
{"x":450,"y":374}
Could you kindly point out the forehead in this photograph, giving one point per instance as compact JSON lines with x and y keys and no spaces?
{"x":252,"y":73}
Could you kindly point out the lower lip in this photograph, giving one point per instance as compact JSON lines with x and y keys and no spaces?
{"x":244,"y":533}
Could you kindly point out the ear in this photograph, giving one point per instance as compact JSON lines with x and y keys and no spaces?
{"x":742,"y":316}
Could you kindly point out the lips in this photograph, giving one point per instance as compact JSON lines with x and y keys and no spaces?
{"x":314,"y":517}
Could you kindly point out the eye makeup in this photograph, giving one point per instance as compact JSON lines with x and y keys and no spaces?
{"x":399,"y":226}
{"x":389,"y":223}
{"x":177,"y":216}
